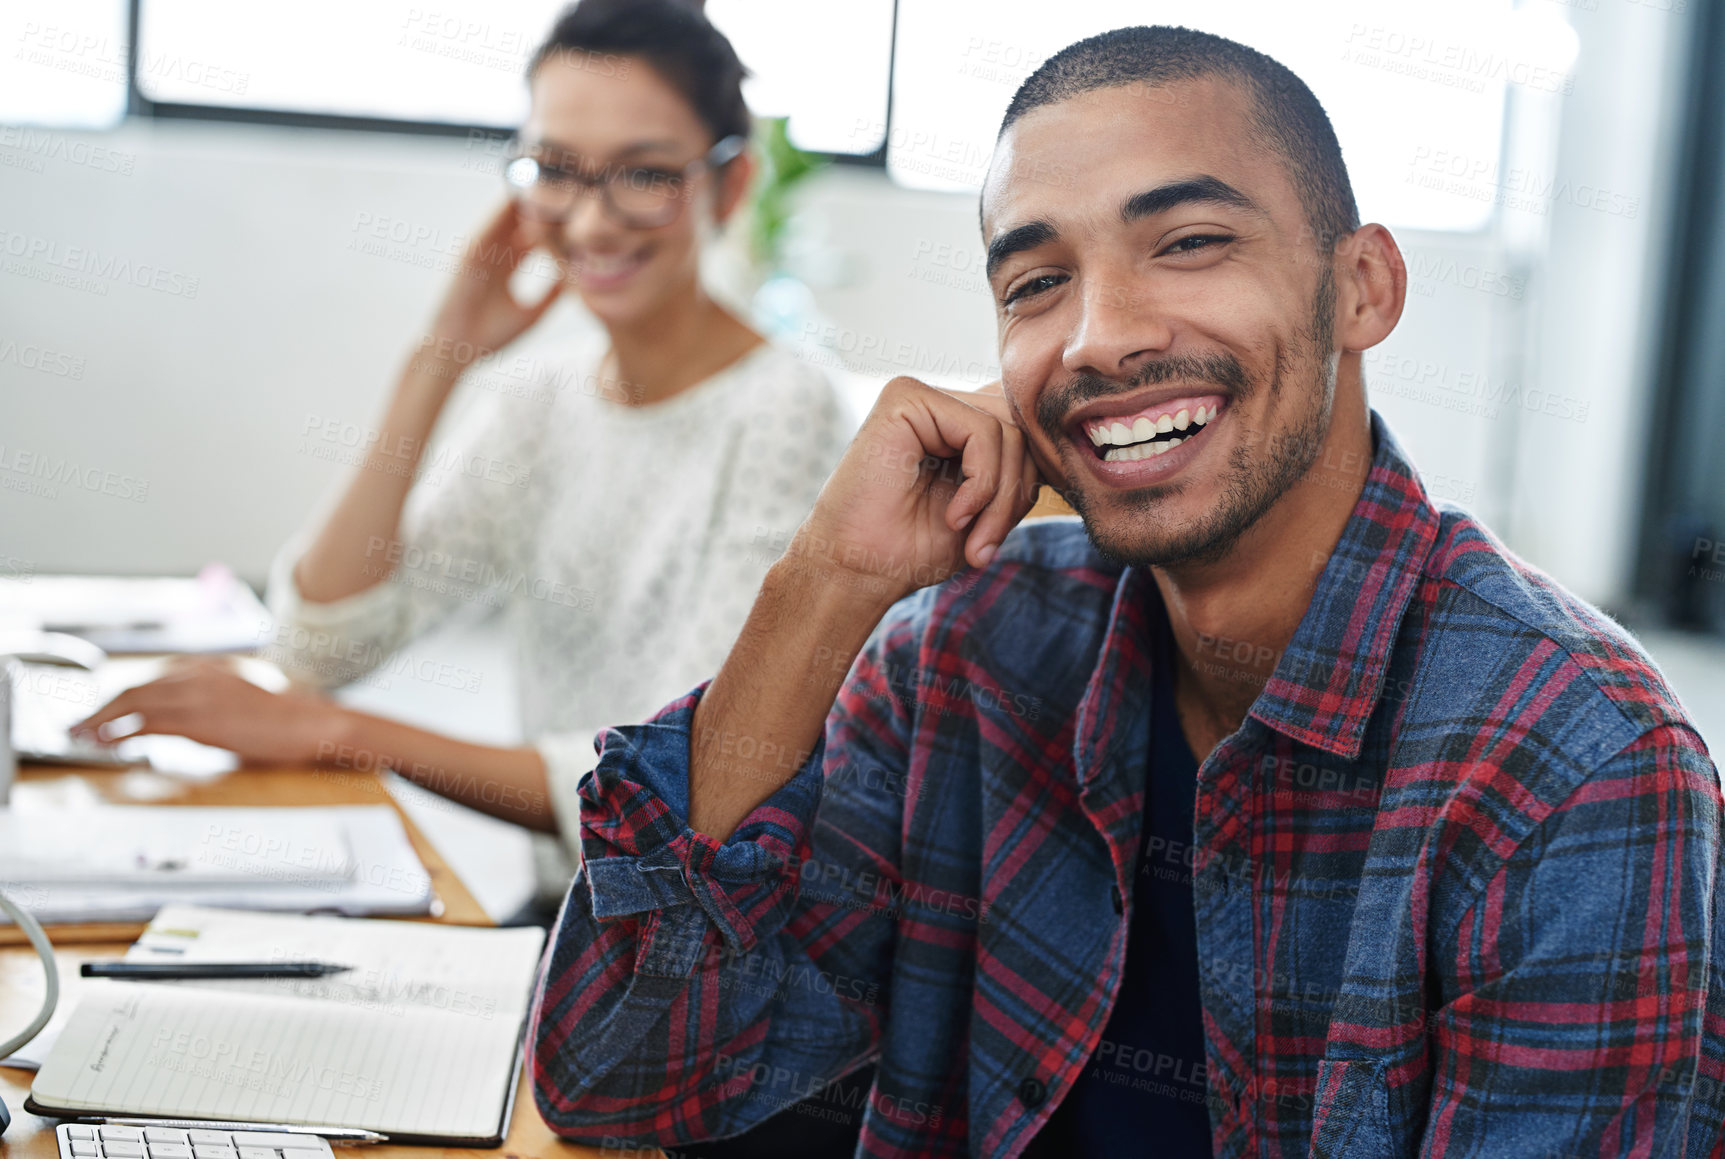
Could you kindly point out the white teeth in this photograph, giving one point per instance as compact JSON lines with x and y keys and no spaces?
{"x":1130,"y":443}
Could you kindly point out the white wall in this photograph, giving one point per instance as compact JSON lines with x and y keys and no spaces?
{"x":206,"y":397}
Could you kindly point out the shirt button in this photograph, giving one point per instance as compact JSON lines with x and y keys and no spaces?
{"x":1119,"y":901}
{"x":1031,"y":1092}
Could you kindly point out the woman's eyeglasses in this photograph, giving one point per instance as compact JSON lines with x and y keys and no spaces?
{"x":641,"y":197}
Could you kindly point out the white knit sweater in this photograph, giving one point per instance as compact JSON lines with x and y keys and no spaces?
{"x":624,"y":544}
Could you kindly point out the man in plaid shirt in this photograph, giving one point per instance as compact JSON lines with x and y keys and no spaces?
{"x":1273,"y":810}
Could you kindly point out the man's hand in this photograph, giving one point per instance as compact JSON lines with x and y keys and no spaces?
{"x":209,"y":702}
{"x":932,"y":482}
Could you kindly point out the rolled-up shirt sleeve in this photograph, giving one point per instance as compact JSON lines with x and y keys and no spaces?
{"x":642,"y":857}
{"x":694,"y":987}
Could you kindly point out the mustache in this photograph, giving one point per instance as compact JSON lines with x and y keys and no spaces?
{"x":1220,"y":370}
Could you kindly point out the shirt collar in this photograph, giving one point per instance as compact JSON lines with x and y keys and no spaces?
{"x":1329,"y":678}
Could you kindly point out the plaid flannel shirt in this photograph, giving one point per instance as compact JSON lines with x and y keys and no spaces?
{"x":1457,"y":877}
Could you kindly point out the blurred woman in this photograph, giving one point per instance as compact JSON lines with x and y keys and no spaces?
{"x":622,"y":515}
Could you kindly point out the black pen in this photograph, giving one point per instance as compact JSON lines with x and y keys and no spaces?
{"x":168,"y":970}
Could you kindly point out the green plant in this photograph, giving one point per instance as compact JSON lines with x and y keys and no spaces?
{"x":783,"y":167}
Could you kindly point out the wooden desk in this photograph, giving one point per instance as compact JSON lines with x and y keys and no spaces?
{"x":30,"y":1137}
{"x":1049,"y":502}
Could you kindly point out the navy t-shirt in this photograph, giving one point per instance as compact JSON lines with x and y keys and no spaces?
{"x":1143,"y":1090}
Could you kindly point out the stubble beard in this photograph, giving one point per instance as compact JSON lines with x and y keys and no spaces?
{"x":1256,"y":476}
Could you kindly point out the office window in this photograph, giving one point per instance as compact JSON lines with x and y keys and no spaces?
{"x":454,"y":62}
{"x":462,"y":61}
{"x":1416,"y":91}
{"x":65,"y":63}
{"x":834,"y":92}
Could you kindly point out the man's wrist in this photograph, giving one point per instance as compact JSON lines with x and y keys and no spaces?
{"x":833,"y":592}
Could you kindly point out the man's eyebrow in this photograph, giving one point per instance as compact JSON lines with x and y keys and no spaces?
{"x":1204,"y":188}
{"x":1161,"y":199}
{"x":1019,"y":237}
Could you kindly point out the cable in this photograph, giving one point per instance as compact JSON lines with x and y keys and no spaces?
{"x":33,"y":930}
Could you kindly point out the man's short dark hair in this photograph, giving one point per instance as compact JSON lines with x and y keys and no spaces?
{"x":1284,"y":113}
{"x":674,"y":38}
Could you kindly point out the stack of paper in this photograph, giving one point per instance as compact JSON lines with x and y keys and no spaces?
{"x":213,"y":612}
{"x":123,"y":863}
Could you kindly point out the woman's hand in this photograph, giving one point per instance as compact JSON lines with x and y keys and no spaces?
{"x":478,"y":312}
{"x":209,"y":702}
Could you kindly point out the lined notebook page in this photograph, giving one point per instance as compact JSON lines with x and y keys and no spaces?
{"x":159,"y":1050}
{"x":397,"y":966}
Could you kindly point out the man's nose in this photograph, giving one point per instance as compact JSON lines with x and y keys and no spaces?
{"x":1118,"y":325}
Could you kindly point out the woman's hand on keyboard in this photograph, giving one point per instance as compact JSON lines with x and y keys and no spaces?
{"x":208,"y":701}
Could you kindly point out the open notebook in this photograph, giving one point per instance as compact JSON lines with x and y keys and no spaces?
{"x":420,"y":1041}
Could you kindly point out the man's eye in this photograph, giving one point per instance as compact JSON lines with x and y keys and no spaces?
{"x":1032,"y":287}
{"x":1198,"y":241}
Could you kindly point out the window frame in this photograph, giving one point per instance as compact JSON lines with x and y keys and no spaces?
{"x":139,"y":106}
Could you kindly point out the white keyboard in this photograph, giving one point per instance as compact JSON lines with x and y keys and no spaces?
{"x":87,"y":1141}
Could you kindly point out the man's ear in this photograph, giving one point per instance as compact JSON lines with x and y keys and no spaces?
{"x":1371,"y":288}
{"x":733,"y":184}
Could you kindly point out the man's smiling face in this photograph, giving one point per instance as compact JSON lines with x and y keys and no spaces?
{"x":1165,"y":317}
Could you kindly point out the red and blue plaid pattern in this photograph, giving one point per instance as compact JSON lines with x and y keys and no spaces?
{"x":1457,"y":877}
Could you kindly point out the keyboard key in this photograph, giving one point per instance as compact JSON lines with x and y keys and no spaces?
{"x":257,"y":1153}
{"x":126,"y":1134}
{"x":154,"y":1135}
{"x":85,"y":1148}
{"x":209,"y":1151}
{"x":213,"y":1138}
{"x":170,"y":1151}
{"x":79,"y":1131}
{"x":274,"y":1139}
{"x":125,"y":1149}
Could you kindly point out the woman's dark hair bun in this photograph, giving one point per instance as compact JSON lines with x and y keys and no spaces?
{"x":674,"y":37}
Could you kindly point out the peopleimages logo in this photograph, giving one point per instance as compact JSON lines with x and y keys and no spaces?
{"x":41,"y":359}
{"x":38,"y":473}
{"x":94,"y":264}
{"x":38,"y":145}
